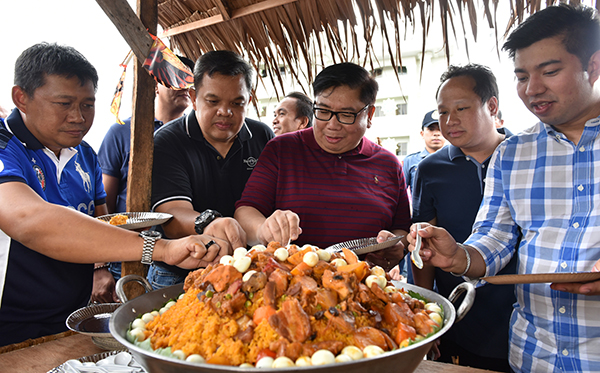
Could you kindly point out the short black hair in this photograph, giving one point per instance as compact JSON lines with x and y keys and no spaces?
{"x":304,"y":106}
{"x":348,"y":74}
{"x":223,"y":62}
{"x":579,"y":27}
{"x":486,"y":86}
{"x":42,"y":59}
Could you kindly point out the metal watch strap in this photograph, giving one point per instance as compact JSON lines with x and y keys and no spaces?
{"x":148,"y":249}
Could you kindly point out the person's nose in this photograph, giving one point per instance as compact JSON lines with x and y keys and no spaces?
{"x":534,"y":86}
{"x":76,"y":114}
{"x":225,"y":111}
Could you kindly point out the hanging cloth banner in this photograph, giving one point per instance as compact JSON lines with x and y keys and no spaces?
{"x":166,"y":68}
{"x":115,"y":105}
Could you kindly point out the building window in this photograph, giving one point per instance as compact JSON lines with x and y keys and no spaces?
{"x":402,"y":109}
{"x":402,"y":148}
{"x":263,"y":111}
{"x":379,"y":111}
{"x":377,"y":72}
{"x":402,"y":70}
{"x":282,"y":70}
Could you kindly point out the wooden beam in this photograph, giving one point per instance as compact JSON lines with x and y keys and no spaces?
{"x":237,"y":13}
{"x":129,"y":25}
{"x":223,"y":9}
{"x":139,"y":179}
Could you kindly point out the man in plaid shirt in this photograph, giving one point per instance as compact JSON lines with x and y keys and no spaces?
{"x":542,"y":187}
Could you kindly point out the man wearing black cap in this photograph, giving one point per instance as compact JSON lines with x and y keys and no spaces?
{"x":431,"y":134}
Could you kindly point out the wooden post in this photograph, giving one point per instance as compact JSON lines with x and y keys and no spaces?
{"x":139,"y":179}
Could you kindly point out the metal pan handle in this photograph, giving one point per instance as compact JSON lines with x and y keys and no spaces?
{"x":129,"y":278}
{"x":467,"y":303}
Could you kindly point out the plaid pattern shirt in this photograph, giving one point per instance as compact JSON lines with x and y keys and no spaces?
{"x":546,"y":189}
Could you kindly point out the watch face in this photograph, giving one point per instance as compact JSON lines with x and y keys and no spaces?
{"x":151,"y":234}
{"x":205,"y":217}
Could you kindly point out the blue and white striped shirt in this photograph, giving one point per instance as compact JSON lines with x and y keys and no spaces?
{"x":545,"y":187}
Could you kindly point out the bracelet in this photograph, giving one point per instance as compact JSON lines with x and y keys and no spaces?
{"x":105,"y":265}
{"x":468,"y":261}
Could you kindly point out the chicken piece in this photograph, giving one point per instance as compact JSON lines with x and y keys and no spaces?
{"x":196,"y":278}
{"x":281,"y":279}
{"x":308,"y":349}
{"x":325,"y":298}
{"x":342,"y":284}
{"x":423,"y":323}
{"x":223,"y":276}
{"x":342,"y":322}
{"x":291,"y":322}
{"x":379,"y":293}
{"x":256,"y":282}
{"x":245,"y":335}
{"x":367,"y":335}
{"x":395,"y":313}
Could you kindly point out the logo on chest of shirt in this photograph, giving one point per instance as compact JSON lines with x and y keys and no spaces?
{"x":85,"y":177}
{"x":40,"y":175}
{"x":250,"y":162}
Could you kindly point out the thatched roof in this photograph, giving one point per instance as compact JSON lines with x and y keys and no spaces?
{"x":299,"y":33}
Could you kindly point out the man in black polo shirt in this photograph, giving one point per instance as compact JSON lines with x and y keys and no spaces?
{"x":203,"y":160}
{"x":449,"y":186}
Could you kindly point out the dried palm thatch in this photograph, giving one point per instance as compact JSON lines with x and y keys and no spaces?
{"x":299,"y":33}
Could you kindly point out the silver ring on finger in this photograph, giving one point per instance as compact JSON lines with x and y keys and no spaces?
{"x":209,"y":244}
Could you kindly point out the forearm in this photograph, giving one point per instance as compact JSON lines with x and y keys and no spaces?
{"x":183,"y":222}
{"x":63,"y":233}
{"x":250,"y":219}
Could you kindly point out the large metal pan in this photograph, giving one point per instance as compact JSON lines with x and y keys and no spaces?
{"x":404,"y":360}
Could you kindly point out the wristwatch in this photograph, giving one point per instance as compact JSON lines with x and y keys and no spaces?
{"x":204,"y":219}
{"x":150,"y":238}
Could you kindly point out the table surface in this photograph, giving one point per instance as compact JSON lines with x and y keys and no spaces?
{"x":41,"y":358}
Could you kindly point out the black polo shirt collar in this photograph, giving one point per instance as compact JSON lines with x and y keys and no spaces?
{"x":455,"y":152}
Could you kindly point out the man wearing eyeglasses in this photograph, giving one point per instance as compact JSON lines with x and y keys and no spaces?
{"x":329,"y":183}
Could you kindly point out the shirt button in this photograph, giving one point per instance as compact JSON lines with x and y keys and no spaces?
{"x":563,"y":265}
{"x":468,"y":158}
{"x":562,"y":310}
{"x":582,"y":149}
{"x":482,"y":166}
{"x":580,"y":188}
{"x":339,"y":157}
{"x":576,"y":225}
{"x":565,"y":352}
{"x":219,"y":157}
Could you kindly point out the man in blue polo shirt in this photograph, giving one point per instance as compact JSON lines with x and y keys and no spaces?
{"x":448,"y":190}
{"x":50,"y":188}
{"x":203,"y":160}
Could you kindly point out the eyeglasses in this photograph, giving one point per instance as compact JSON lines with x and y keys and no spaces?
{"x":343,"y":117}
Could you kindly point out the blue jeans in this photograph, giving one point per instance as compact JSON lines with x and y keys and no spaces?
{"x":161,"y":277}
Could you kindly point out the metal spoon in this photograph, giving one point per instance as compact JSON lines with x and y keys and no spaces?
{"x":415,"y":256}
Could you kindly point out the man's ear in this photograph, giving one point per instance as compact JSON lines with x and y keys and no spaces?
{"x":192,"y":93}
{"x":20,"y":98}
{"x":593,"y":68}
{"x":303,"y":123}
{"x":493,"y":105}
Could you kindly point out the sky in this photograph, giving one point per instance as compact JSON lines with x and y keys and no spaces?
{"x":83,"y":25}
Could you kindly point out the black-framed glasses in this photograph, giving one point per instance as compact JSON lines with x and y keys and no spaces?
{"x":344,"y":117}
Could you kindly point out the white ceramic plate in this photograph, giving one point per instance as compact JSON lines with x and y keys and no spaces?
{"x":138,"y":220}
{"x":87,"y":359}
{"x":542,"y":278}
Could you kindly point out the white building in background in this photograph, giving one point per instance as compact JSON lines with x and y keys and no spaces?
{"x":400,"y":105}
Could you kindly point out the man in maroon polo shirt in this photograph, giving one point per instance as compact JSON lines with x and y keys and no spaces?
{"x":329,"y":184}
